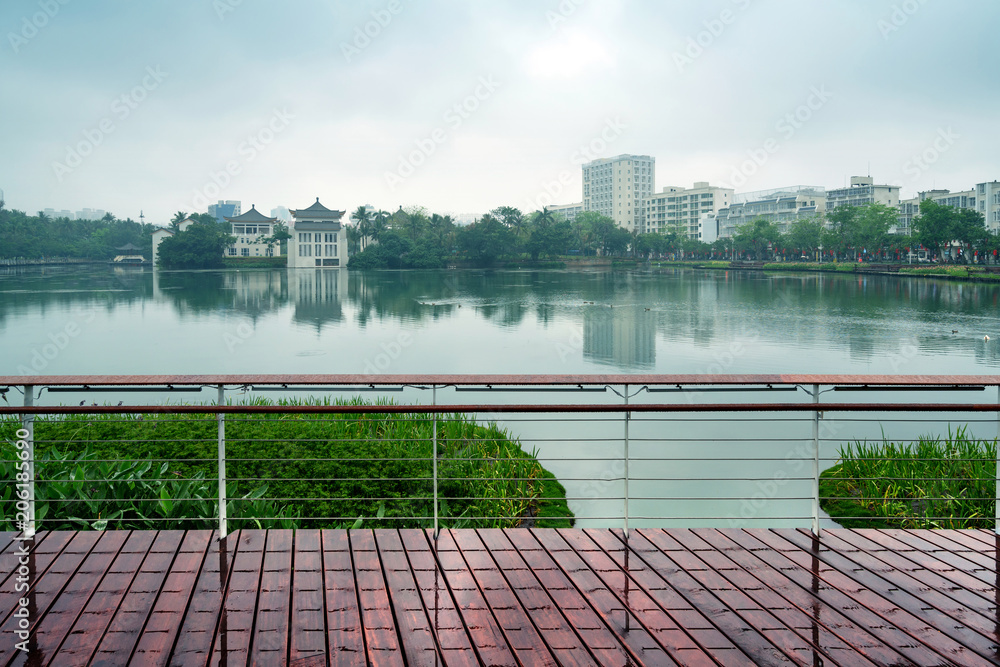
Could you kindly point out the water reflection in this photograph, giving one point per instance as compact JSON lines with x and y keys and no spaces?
{"x":674,"y":320}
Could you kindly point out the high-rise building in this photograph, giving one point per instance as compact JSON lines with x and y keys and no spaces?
{"x":224,"y":209}
{"x":861,"y":192}
{"x":618,"y":188}
{"x":984,"y":198}
{"x":54,"y":213}
{"x":680,"y":210}
{"x":281,"y":213}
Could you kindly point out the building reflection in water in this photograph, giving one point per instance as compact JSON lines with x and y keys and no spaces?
{"x":623,"y":337}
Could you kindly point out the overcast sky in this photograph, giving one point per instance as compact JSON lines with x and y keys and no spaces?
{"x":463,"y":106}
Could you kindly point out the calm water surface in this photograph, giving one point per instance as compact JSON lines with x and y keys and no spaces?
{"x":125,"y":321}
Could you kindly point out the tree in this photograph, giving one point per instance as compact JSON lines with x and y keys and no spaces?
{"x":279,"y":237}
{"x":871,"y":228}
{"x":486,"y":240}
{"x":805,"y":235}
{"x":200,"y":246}
{"x":756,"y":236}
{"x":511,"y":217}
{"x":550,"y":240}
{"x":935,"y":226}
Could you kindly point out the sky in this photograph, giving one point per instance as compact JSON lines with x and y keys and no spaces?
{"x":460,"y":107}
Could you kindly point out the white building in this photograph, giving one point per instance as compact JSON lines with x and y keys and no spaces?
{"x":782,"y":207}
{"x":90,"y":214}
{"x":618,"y":188}
{"x":988,"y":203}
{"x":159,"y":234}
{"x":861,"y":192}
{"x":680,"y":210}
{"x":318,"y":238}
{"x":984,"y":198}
{"x":567,"y":212}
{"x":250,"y":230}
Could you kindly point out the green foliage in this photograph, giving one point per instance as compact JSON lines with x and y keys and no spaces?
{"x":39,"y":236}
{"x":200,"y":246}
{"x":83,"y":492}
{"x":932,"y":483}
{"x":323,"y":470}
{"x":756,"y":236}
{"x":487,"y":241}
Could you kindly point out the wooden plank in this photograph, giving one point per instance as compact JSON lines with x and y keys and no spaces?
{"x":88,"y":630}
{"x":182,"y":628}
{"x":271,"y":625}
{"x":878,"y":596}
{"x":636,"y":636}
{"x":486,"y":636}
{"x":451,"y":635}
{"x":415,"y":631}
{"x":381,"y":640}
{"x":519,"y":631}
{"x":343,"y":616}
{"x":817,"y":616}
{"x":918,"y":596}
{"x":234,"y":636}
{"x":134,"y":611}
{"x":72,"y":598}
{"x":308,"y":630}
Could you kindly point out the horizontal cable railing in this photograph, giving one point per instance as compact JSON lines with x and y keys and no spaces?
{"x":406,"y":451}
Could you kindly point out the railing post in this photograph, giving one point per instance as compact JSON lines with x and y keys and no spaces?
{"x":434,"y":459}
{"x":223,"y":500}
{"x":627,"y":415}
{"x":28,"y":424}
{"x":815,"y":480}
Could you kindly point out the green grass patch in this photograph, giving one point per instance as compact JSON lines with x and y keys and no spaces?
{"x":302,"y":470}
{"x":933,"y":483}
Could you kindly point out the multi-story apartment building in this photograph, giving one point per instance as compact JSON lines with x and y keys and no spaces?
{"x":862,"y":192}
{"x":567,"y":212}
{"x":618,"y":188}
{"x":782,"y":207}
{"x":680,"y":210}
{"x":984,"y":198}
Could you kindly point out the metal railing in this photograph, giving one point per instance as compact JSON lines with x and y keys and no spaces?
{"x":629,"y":450}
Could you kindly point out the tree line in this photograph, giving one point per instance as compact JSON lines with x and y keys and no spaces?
{"x":40,"y":236}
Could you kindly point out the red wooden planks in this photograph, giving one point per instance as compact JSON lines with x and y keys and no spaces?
{"x":343,"y":615}
{"x":377,"y":622}
{"x":414,"y":627}
{"x":234,"y":636}
{"x":307,"y":635}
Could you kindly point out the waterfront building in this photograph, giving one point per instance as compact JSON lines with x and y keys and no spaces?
{"x":984,"y":198}
{"x":250,"y":230}
{"x":680,"y":210}
{"x":225,"y":209}
{"x":618,"y":188}
{"x":782,"y":206}
{"x":159,"y":234}
{"x":567,"y":212}
{"x":318,"y":238}
{"x":861,"y":192}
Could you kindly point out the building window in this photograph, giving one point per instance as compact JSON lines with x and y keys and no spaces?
{"x":246,"y":252}
{"x":328,"y":238}
{"x":232,"y":252}
{"x":329,"y":250}
{"x":319,"y":248}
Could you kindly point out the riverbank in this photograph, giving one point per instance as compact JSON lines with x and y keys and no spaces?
{"x":312,"y":470}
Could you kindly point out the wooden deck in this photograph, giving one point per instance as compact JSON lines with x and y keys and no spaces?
{"x":515,"y":597}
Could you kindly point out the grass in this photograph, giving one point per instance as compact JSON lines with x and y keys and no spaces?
{"x":320,"y":471}
{"x":932,"y":483}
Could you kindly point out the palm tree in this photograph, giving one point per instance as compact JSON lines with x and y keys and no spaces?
{"x":363,"y":218}
{"x":379,"y":224}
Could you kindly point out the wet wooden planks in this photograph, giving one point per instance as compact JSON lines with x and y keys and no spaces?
{"x":502,"y":597}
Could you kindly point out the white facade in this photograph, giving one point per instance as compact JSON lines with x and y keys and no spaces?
{"x":318,"y":238}
{"x":680,"y":210}
{"x":984,"y":198}
{"x":567,"y":212}
{"x":618,"y":187}
{"x":250,"y":230}
{"x":159,"y":234}
{"x":862,"y":192}
{"x":988,"y":203}
{"x":782,"y":207}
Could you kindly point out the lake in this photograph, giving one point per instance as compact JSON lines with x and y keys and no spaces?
{"x":109,"y":320}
